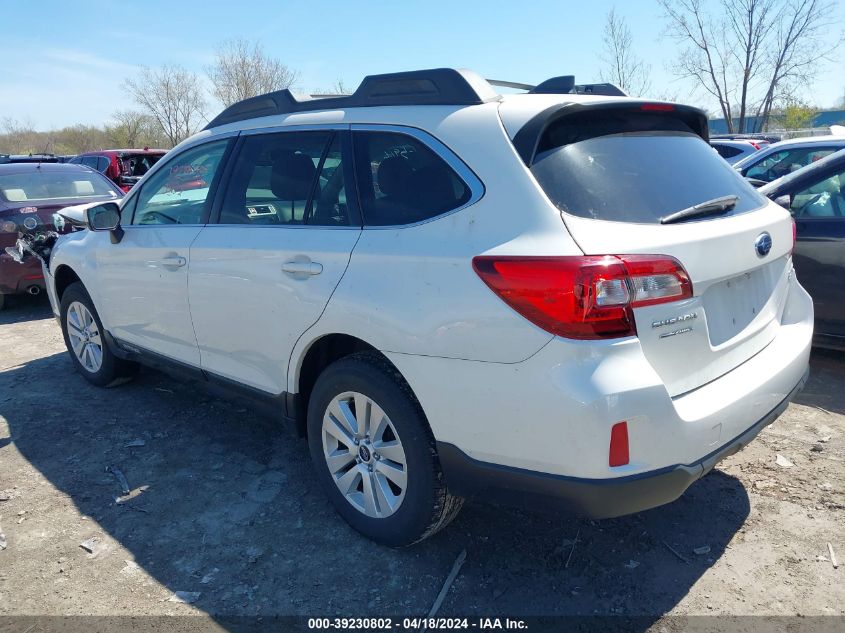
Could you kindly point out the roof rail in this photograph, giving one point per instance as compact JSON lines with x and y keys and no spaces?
{"x":437,"y":86}
{"x":565,"y":84}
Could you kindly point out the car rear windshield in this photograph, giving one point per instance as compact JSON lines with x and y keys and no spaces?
{"x":137,"y":164}
{"x":54,"y":185}
{"x":633,"y":167}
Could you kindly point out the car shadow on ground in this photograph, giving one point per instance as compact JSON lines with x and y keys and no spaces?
{"x":824,"y":388}
{"x":25,"y":308}
{"x":224,"y":503}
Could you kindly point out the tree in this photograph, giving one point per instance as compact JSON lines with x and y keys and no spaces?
{"x":748,"y":55}
{"x":620,"y":65}
{"x":171,"y":95}
{"x":797,"y":115}
{"x":801,"y":43}
{"x":127,"y":127}
{"x":241,"y":71}
{"x":18,"y":137}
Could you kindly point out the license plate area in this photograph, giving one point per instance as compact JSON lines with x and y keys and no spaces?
{"x":733,"y":304}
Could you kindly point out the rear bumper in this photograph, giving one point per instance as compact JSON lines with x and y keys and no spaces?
{"x":16,"y":278}
{"x":593,"y":498}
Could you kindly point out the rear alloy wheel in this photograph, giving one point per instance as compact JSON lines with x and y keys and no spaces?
{"x":85,"y":339}
{"x":374,"y":452}
{"x":364,"y":455}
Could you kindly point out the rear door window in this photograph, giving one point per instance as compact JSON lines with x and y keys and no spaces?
{"x":402,"y":181}
{"x":287,"y":178}
{"x":633,"y":167}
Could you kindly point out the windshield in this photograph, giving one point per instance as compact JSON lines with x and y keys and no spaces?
{"x":54,"y":185}
{"x":638,"y":176}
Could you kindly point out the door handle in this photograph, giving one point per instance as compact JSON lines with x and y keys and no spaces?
{"x":174,"y":261}
{"x":302,"y":268}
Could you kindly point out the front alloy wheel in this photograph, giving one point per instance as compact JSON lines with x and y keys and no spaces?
{"x":364,"y":455}
{"x":84,"y":337}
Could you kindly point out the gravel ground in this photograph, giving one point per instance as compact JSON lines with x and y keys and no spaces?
{"x":224,"y":505}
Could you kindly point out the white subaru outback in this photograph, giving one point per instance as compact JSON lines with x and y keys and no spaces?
{"x":561,"y":298}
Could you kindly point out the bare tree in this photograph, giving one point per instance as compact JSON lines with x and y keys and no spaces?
{"x":242,"y":70}
{"x":746,"y":55}
{"x":127,"y":128}
{"x":20,"y":137}
{"x":173,"y":96}
{"x":800,"y":43}
{"x":620,"y":65}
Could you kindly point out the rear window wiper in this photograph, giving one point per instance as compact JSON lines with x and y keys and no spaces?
{"x":710,"y":207}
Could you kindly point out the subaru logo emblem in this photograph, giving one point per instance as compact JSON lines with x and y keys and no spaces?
{"x":763,"y":244}
{"x":364,"y":454}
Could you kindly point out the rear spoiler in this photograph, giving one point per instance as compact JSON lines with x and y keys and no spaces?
{"x":527,"y":139}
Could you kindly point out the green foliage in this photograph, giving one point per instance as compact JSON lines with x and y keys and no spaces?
{"x":797,"y":115}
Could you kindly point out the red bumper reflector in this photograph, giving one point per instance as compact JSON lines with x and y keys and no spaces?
{"x":618,"y":445}
{"x":30,"y":277}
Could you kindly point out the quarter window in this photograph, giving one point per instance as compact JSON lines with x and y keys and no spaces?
{"x":178,"y":193}
{"x":402,"y":181}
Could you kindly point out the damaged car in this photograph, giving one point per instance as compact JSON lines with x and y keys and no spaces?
{"x":31,"y":194}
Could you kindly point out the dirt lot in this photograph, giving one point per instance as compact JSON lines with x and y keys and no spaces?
{"x":225,"y":504}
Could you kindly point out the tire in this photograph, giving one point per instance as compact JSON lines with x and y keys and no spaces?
{"x":98,"y":365}
{"x":395,"y":516}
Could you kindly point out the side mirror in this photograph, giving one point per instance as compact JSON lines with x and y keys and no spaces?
{"x":785,"y":201}
{"x":106,"y":217}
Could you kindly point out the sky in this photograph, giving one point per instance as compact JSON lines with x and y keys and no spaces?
{"x":63,"y":62}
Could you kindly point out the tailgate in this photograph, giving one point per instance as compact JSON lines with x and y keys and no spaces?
{"x":640,"y":178}
{"x":738,"y":296}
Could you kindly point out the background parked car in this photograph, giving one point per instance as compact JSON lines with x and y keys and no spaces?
{"x":124,"y":166}
{"x":29,"y":158}
{"x":733,"y":151}
{"x":815,"y":195}
{"x":755,"y":137}
{"x":30,"y":194}
{"x":780,"y":159}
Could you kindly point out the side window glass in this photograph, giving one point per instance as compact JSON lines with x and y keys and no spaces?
{"x":102,"y":163}
{"x":328,"y":207}
{"x":178,"y":193}
{"x":402,"y":181}
{"x":127,"y":209}
{"x":274,"y":178}
{"x":824,"y":199}
{"x":90,"y":161}
{"x":762,"y":169}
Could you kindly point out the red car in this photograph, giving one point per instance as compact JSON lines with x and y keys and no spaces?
{"x":30,"y":194}
{"x":124,"y":166}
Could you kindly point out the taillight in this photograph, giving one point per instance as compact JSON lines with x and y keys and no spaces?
{"x":657,"y":107}
{"x":584,"y":297}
